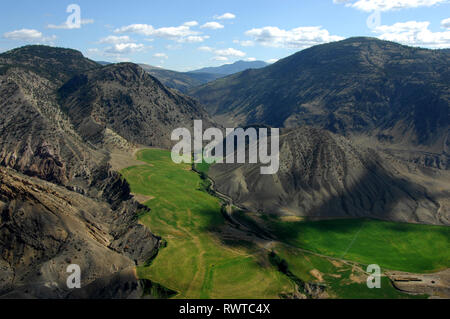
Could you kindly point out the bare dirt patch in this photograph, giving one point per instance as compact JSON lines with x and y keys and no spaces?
{"x":142,"y":198}
{"x":358,"y":278}
{"x":317,"y":274}
{"x":292,"y":219}
{"x":436,"y":284}
{"x":121,"y":159}
{"x":336,"y":263}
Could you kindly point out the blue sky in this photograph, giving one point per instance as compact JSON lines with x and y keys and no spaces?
{"x":189,"y":34}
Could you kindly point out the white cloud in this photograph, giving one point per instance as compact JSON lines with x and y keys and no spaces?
{"x":246,"y":43}
{"x":225,"y":16}
{"x":206,"y":49}
{"x":174,"y":46}
{"x":387,"y":5}
{"x":180,"y":34}
{"x":122,"y":59}
{"x":67,"y":26}
{"x":160,"y":55}
{"x":24,"y":34}
{"x":191,"y":23}
{"x":272,"y":61}
{"x":230,"y":52}
{"x":212,"y":26}
{"x":124,"y":48}
{"x":445,"y":23}
{"x":223,"y":54}
{"x":302,"y":37}
{"x":112,"y":39}
{"x":220,"y":58}
{"x":28,"y":35}
{"x":119,"y":46}
{"x":193,"y":39}
{"x":414,"y":33}
{"x":93,"y":51}
{"x":174,"y":32}
{"x":250,"y":59}
{"x":142,"y":29}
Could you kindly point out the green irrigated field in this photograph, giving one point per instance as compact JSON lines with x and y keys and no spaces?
{"x":195,"y":262}
{"x":342,"y":279}
{"x":200,"y":261}
{"x":395,"y":246}
{"x":203,"y":167}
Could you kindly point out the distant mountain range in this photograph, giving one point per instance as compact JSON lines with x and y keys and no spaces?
{"x":181,"y":81}
{"x":228,"y":69}
{"x":185,"y":81}
{"x":103,"y":63}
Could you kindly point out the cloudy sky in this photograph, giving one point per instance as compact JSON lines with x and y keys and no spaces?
{"x":189,"y":34}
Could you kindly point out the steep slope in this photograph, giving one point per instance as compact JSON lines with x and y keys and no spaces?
{"x":37,"y":138}
{"x":323,"y":175}
{"x":44,"y":228}
{"x":395,"y":93}
{"x":228,"y":69}
{"x":127,"y":100}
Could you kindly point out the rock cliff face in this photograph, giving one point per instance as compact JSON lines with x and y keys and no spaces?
{"x":37,"y":138}
{"x":44,"y":228}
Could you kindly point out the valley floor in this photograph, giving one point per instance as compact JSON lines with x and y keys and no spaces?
{"x":208,"y":255}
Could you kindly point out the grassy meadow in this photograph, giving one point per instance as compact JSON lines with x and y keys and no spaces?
{"x":196,"y":263}
{"x":342,"y":279}
{"x":394,"y":246}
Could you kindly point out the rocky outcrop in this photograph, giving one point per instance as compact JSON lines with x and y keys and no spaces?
{"x":44,"y":228}
{"x":37,"y":138}
{"x":70,"y":207}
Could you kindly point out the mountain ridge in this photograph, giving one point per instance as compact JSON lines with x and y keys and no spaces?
{"x":355,"y":86}
{"x":181,"y":81}
{"x":228,"y":69}
{"x":130,"y":102}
